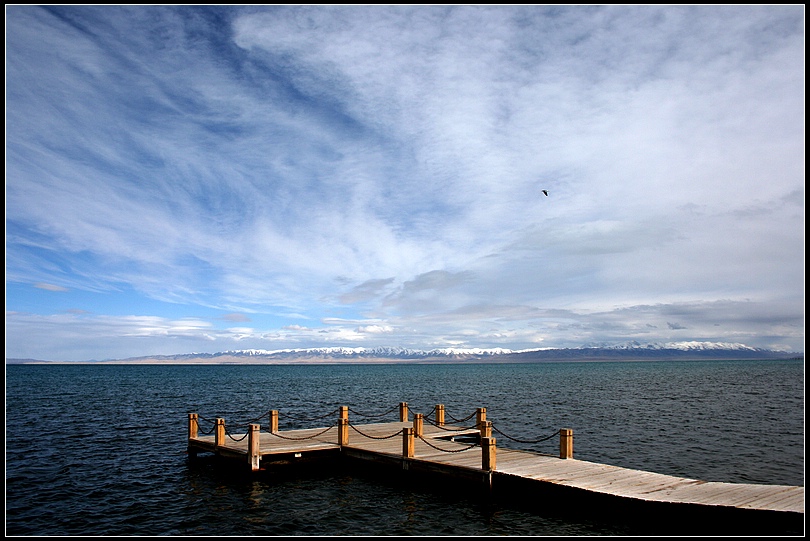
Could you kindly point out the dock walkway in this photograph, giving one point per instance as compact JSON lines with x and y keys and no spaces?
{"x":470,"y":453}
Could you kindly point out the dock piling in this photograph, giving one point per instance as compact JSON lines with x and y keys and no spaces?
{"x":403,"y":412}
{"x":418,"y":423}
{"x":480,"y":418}
{"x":440,"y":414}
{"x":407,"y":442}
{"x":274,"y":421}
{"x":219,"y":434}
{"x":193,"y":425}
{"x":566,"y":443}
{"x":488,"y":454}
{"x":254,"y":446}
{"x":343,"y":431}
{"x":486,"y":429}
{"x":343,"y":425}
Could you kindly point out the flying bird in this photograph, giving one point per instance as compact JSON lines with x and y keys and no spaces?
{"x":545,"y":192}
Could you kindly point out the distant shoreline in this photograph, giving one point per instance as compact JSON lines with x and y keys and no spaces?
{"x":689,"y":351}
{"x":241,"y":361}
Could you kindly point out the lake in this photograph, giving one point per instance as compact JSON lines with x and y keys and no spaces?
{"x":101,"y":449}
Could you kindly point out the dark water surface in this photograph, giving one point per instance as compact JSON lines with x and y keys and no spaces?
{"x":101,"y":450}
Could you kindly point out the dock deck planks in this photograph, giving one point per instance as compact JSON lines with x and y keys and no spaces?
{"x":384,"y":441}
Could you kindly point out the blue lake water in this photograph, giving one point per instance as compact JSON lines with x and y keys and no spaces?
{"x":101,"y":449}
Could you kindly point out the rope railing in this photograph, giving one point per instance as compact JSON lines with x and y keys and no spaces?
{"x":239,"y":425}
{"x":480,"y":433}
{"x":212,"y":421}
{"x":252,"y":421}
{"x":245,"y":435}
{"x":460,"y":420}
{"x":395,"y":434}
{"x":395,"y":408}
{"x":230,"y":426}
{"x":206,"y":432}
{"x":306,"y":419}
{"x":448,"y":450}
{"x":438,"y":411}
{"x":321,"y":433}
{"x":448,"y":429}
{"x":557,"y":433}
{"x":291,"y":417}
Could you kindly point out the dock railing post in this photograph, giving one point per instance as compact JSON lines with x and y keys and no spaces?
{"x":343,"y":425}
{"x":407,"y":442}
{"x":488,"y":454}
{"x":193,"y":425}
{"x":254,"y":446}
{"x":219,"y":434}
{"x":480,"y":418}
{"x":566,"y":443}
{"x":274,"y":421}
{"x":403,"y":412}
{"x":486,"y":429}
{"x":418,"y":423}
{"x":440,"y":414}
{"x":343,"y":431}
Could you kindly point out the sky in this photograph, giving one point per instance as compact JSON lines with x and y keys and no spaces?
{"x":211,"y":178}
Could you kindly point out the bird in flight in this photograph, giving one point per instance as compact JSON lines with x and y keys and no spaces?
{"x":545,"y":192}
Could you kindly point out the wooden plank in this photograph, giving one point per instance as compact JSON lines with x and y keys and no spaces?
{"x":383,"y":442}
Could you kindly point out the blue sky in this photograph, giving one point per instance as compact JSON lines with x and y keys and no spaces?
{"x":200,"y":179}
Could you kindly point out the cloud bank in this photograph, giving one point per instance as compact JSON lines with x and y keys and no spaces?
{"x":372,"y":175}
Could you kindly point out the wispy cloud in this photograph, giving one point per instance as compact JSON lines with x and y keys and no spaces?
{"x":50,"y":287}
{"x":372,"y":174}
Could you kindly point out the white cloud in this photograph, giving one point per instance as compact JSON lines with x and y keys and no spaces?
{"x":377,"y":167}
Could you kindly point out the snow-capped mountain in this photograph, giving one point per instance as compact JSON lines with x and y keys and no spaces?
{"x":685,"y":346}
{"x":378,"y":352}
{"x":324,"y":355}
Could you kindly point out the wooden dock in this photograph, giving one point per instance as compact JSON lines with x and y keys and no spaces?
{"x":427,"y":445}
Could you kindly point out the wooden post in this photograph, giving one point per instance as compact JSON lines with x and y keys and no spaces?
{"x":407,"y":442}
{"x":403,"y":412}
{"x":343,"y":425}
{"x":274,"y":421}
{"x":480,"y":417}
{"x":418,"y":420}
{"x":343,"y":431}
{"x":440,"y":414}
{"x":486,"y":429}
{"x":219,"y":435}
{"x":566,"y":443}
{"x":488,"y":454}
{"x":254,"y":446}
{"x":193,"y":425}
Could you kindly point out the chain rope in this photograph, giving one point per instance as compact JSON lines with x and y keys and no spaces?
{"x":455,"y":429}
{"x":296,"y":418}
{"x":525,"y":441}
{"x":425,"y":417}
{"x":395,"y":408}
{"x":460,"y":420}
{"x":206,"y":432}
{"x":397,"y":433}
{"x":245,"y":435}
{"x":447,"y":450}
{"x":327,"y":429}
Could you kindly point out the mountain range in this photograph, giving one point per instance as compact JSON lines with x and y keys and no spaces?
{"x":328,"y":355}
